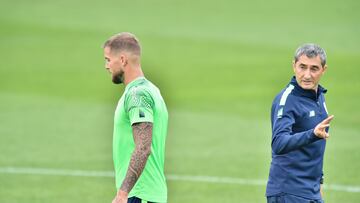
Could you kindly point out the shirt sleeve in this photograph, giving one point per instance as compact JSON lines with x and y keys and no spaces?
{"x":284,"y":140}
{"x":139,"y":106}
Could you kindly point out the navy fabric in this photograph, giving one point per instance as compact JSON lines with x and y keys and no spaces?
{"x":297,"y":154}
{"x":135,"y":200}
{"x":291,"y":199}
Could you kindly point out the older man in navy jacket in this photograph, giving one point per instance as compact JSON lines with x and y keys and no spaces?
{"x":300,"y":125}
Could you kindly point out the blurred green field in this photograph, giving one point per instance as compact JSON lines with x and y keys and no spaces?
{"x":218,"y":65}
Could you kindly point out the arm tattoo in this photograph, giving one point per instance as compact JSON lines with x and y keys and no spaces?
{"x":142,"y":133}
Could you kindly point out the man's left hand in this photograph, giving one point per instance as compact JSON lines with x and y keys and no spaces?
{"x":121,"y":197}
{"x":321,"y":191}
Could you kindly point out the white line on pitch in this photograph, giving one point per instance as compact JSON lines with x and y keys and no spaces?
{"x":172,"y":177}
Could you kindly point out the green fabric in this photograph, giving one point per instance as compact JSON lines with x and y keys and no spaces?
{"x":141,"y":102}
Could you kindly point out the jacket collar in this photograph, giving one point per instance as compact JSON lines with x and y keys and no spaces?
{"x":307,"y":93}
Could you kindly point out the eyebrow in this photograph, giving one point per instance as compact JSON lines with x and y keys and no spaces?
{"x":302,"y":64}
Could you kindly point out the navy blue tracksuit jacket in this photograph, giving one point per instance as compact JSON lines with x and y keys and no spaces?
{"x":297,"y":154}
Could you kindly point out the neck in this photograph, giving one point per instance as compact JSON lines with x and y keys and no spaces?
{"x":316,"y":88}
{"x":131,"y":75}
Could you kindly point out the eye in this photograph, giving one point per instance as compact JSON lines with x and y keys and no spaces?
{"x":302,"y":67}
{"x":314,"y":68}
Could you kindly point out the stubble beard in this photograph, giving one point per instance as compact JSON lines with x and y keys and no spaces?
{"x":118,"y":78}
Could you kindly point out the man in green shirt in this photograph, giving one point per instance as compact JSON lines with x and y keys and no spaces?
{"x":140,"y":126}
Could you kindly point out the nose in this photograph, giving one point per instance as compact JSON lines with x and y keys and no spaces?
{"x":307,"y":74}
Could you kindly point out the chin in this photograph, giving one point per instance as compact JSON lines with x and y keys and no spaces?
{"x":308,"y":87}
{"x":116,"y":79}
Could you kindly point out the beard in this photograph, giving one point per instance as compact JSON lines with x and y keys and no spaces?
{"x":118,"y":78}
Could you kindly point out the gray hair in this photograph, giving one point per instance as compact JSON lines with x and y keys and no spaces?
{"x":311,"y":51}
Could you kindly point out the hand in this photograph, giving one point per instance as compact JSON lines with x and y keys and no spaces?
{"x":320,"y":129}
{"x":321,"y":191}
{"x":121,"y":197}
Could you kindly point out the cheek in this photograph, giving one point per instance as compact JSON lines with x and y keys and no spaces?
{"x":298,"y":72}
{"x":115,"y":67}
{"x":111,"y":65}
{"x":317,"y":76}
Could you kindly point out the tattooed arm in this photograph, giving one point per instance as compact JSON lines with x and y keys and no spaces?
{"x":142,"y":133}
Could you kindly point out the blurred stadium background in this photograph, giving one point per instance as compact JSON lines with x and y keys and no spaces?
{"x":218,"y":65}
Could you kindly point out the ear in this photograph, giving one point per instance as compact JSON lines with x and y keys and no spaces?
{"x":123,"y":59}
{"x":324,"y":69}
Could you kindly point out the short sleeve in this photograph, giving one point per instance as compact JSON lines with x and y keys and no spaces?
{"x":139,"y":105}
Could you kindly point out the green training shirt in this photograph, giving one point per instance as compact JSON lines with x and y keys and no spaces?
{"x":141,"y":102}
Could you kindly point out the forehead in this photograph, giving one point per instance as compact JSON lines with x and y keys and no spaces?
{"x":314,"y":61}
{"x":107,"y":51}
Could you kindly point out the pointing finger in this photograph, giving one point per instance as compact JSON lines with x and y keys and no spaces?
{"x":322,"y":126}
{"x":328,"y":119}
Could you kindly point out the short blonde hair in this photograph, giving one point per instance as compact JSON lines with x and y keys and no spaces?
{"x":123,"y":41}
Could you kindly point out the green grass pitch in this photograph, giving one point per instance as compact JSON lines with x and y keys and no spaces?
{"x":218,"y":65}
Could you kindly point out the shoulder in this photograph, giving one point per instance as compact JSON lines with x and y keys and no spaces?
{"x":138,"y":89}
{"x":285,"y":97}
{"x":144,"y":86}
{"x":139,"y":94}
